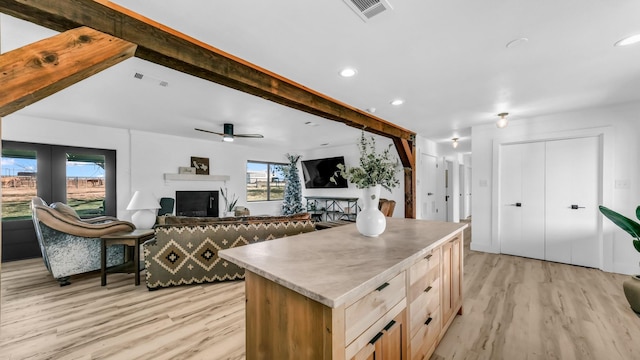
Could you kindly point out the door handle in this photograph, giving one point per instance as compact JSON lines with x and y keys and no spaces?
{"x":576,"y":207}
{"x":516,"y":204}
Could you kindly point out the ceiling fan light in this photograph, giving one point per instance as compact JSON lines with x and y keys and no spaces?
{"x":455,"y":142}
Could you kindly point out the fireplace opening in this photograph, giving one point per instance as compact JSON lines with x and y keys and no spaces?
{"x":197,"y":203}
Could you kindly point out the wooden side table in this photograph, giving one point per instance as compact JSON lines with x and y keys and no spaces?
{"x":129,"y":238}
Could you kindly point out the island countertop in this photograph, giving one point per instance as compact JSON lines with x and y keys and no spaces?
{"x":338,"y":265}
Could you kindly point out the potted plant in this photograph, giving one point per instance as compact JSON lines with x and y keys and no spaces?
{"x":376,"y":170}
{"x":631,"y":286}
{"x":229,"y":203}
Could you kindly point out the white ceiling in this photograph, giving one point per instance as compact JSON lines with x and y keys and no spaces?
{"x":447,"y":59}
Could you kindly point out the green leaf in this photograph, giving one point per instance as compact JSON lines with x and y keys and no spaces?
{"x":636,"y":244}
{"x":626,"y":224}
{"x":638,"y":214}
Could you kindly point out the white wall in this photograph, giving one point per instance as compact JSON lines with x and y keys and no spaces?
{"x":142,"y":158}
{"x":621,"y":128}
{"x":352,"y":158}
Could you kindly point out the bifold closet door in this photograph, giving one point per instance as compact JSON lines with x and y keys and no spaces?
{"x":572,"y":194}
{"x":522,"y":169}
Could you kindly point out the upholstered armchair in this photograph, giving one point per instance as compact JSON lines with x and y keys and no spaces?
{"x":71,"y":245}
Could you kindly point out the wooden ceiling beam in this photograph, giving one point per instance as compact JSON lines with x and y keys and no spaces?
{"x":35,"y":71}
{"x":165,"y":46}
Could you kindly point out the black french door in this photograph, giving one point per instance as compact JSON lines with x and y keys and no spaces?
{"x":83,"y":178}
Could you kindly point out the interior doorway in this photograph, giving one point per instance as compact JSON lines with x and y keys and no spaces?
{"x":428,"y":187}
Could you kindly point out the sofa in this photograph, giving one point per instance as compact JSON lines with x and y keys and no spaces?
{"x":71,"y":245}
{"x":185,"y":249}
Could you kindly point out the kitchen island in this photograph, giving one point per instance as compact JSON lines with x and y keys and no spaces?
{"x":335,"y":294}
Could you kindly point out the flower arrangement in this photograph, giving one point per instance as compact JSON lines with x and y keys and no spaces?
{"x":228,"y":204}
{"x":375,"y":168}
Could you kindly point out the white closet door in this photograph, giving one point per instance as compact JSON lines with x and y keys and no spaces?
{"x":429,"y":169}
{"x":572,"y":194}
{"x":522,"y":170}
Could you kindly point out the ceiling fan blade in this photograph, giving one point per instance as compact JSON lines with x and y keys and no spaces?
{"x":255,"y":136}
{"x":209,"y":131}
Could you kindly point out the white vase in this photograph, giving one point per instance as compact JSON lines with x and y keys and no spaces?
{"x":229,"y":214}
{"x":370,"y":221}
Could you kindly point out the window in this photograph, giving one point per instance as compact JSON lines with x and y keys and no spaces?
{"x":265,"y":181}
{"x":19,"y":169}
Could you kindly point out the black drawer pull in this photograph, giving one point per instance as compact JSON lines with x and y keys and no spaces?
{"x":428,"y":321}
{"x":375,"y":338}
{"x":428,"y":257}
{"x":389,"y":325}
{"x":379,"y":288}
{"x":428,"y":289}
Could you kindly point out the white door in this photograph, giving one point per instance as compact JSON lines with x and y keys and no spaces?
{"x":572,"y":193}
{"x":429,"y":166}
{"x":521,"y":218}
{"x":448,"y":183}
{"x":461,"y":191}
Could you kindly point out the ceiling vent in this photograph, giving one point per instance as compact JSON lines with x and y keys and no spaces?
{"x":367,"y":9}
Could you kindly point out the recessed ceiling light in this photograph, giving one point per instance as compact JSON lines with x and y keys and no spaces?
{"x":397,"y":102}
{"x":516,"y":42}
{"x":348,"y":72}
{"x":371,"y":110}
{"x":324,"y":144}
{"x":629,"y":40}
{"x":311,"y":123}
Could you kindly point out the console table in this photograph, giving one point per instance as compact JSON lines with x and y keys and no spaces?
{"x":325,"y":208}
{"x":335,"y":294}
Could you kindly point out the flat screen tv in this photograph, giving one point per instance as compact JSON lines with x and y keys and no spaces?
{"x":197,"y":203}
{"x":317,"y":173}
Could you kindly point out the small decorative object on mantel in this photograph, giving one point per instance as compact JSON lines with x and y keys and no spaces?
{"x":375,"y":171}
{"x":630,"y":286}
{"x":201,"y":165}
{"x":186,"y":170}
{"x":229,"y":203}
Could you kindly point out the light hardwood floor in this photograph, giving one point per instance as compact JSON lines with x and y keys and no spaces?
{"x":514,"y":308}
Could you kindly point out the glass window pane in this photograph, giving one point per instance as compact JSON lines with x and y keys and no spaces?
{"x":86,"y":184}
{"x":256,"y":181}
{"x":19,"y":169}
{"x":276,"y":183}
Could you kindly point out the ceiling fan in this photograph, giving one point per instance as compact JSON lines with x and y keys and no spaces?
{"x":228,"y":134}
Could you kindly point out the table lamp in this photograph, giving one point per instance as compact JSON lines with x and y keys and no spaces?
{"x":145,"y":203}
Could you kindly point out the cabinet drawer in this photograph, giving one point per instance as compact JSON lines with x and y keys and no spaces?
{"x":424,"y":306}
{"x":363,"y":313}
{"x":426,"y":336}
{"x":423,"y":273}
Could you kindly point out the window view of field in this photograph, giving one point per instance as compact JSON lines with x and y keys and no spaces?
{"x":265,"y":181}
{"x":85,"y":187}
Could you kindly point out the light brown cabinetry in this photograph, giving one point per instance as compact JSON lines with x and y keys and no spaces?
{"x":388,"y":344}
{"x":424,"y":305}
{"x":451,"y":280}
{"x":334,"y":295}
{"x":434,"y":296}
